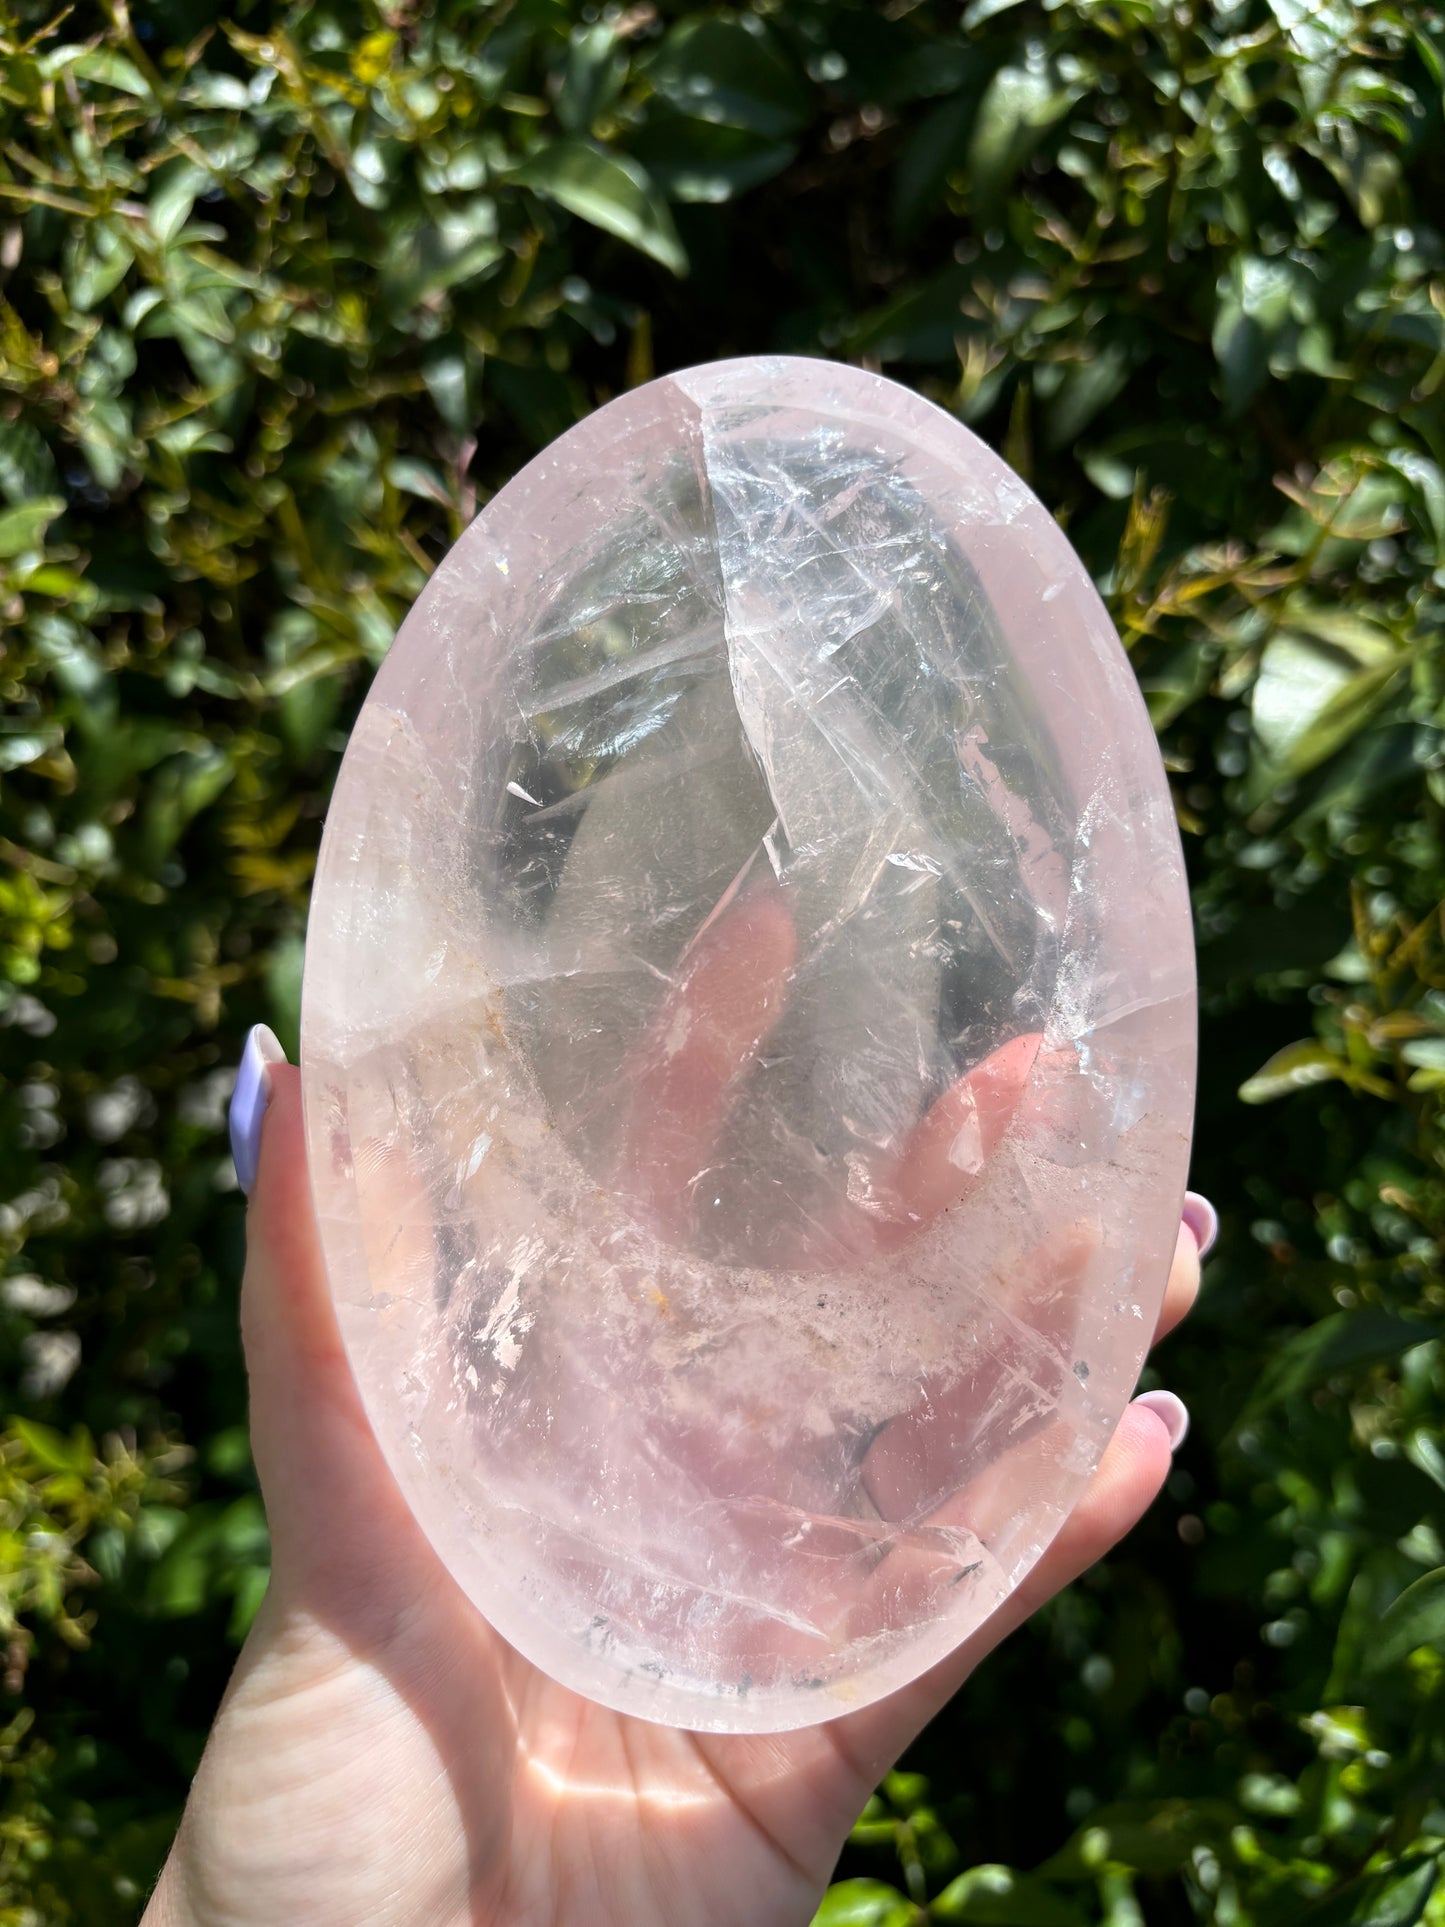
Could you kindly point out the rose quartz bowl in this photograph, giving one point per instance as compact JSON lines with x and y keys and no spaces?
{"x":748,"y":1045}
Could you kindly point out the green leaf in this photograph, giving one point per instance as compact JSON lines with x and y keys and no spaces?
{"x":98,"y":258}
{"x":864,"y":1903}
{"x":595,"y":69}
{"x":543,"y":403}
{"x":995,"y":1896}
{"x":249,"y":1586}
{"x":921,"y":324}
{"x":24,"y":527}
{"x":53,"y":1451}
{"x":284,"y":970}
{"x":1291,"y":1069}
{"x":209,"y":1557}
{"x":506,"y":49}
{"x":1427,"y":1452}
{"x":728,"y":69}
{"x":981,"y":10}
{"x":17,"y":749}
{"x":1368,"y":173}
{"x":694,"y":160}
{"x":105,"y":1550}
{"x":1257,"y":301}
{"x":1430,"y":55}
{"x":415,"y":477}
{"x":1116,"y":480}
{"x":1417,"y":1618}
{"x":1018,"y":108}
{"x":104,"y":433}
{"x":452,"y":373}
{"x":1425,"y":478}
{"x":1155,"y":1838}
{"x":1345,"y":1342}
{"x":61,"y":583}
{"x":1344,"y":715}
{"x":228,"y":1453}
{"x":428,"y":260}
{"x":27,"y":467}
{"x":1382,"y":757}
{"x":308,"y":708}
{"x":1175,"y":677}
{"x":936,"y":149}
{"x":172,"y":197}
{"x":1395,"y":1896}
{"x":611,"y":192}
{"x":1320,"y":682}
{"x":113,"y":70}
{"x":1088,"y":388}
{"x":179,"y":790}
{"x":906,"y":1793}
{"x":217,"y":90}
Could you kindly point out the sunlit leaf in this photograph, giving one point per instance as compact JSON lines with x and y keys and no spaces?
{"x":52,"y":1450}
{"x":1292,"y":1069}
{"x":23,"y":527}
{"x":99,"y":257}
{"x":1417,"y":1618}
{"x":1021,"y":103}
{"x":1343,"y":1343}
{"x":596,"y":66}
{"x":611,"y":192}
{"x":181,"y":788}
{"x":980,"y":10}
{"x":728,"y":69}
{"x":936,"y":148}
{"x":1393,"y":1896}
{"x":27,"y":467}
{"x":430,"y":259}
{"x":1318,"y":686}
{"x":113,"y":70}
{"x":701,"y":161}
{"x":1146,"y":1838}
{"x":173,"y":195}
{"x":995,"y":1896}
{"x":1257,"y":301}
{"x":865,"y":1903}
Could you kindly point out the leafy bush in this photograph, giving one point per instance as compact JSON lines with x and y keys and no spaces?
{"x":281,"y":301}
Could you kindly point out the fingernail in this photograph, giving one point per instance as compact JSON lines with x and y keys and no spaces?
{"x":1202,"y":1219}
{"x":249,"y":1100}
{"x":1173,"y":1411}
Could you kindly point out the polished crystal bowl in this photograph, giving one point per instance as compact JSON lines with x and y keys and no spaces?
{"x":748,"y":1045}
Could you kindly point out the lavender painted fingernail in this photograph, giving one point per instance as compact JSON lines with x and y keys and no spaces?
{"x":1202,"y":1219}
{"x":249,"y":1100}
{"x":1173,"y":1411}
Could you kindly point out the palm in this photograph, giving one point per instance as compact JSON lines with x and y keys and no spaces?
{"x":384,"y":1757}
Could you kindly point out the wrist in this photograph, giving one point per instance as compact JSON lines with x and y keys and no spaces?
{"x":211,"y":1862}
{"x":167,"y":1906}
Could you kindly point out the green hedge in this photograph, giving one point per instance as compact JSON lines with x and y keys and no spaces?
{"x":281,"y":301}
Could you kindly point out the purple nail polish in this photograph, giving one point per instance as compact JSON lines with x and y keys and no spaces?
{"x":1202,"y":1219}
{"x":1173,"y":1411}
{"x":249,"y":1100}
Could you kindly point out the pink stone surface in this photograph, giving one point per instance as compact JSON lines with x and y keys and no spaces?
{"x":748,"y":1045}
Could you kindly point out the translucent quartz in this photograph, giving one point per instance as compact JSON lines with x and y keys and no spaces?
{"x":749,"y":1045}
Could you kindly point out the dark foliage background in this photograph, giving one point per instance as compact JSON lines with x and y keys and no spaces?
{"x":282,"y":298}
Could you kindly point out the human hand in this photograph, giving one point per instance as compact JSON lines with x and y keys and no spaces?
{"x":383,"y":1757}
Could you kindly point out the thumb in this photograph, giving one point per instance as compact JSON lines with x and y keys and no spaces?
{"x":338,"y":1523}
